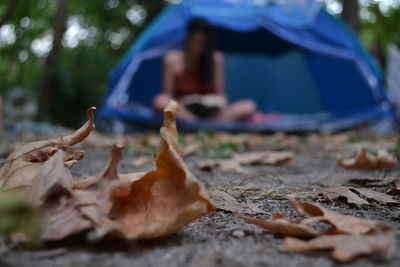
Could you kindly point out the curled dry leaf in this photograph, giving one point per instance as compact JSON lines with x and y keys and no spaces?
{"x":338,"y":192}
{"x":25,"y":162}
{"x":349,"y":236}
{"x":93,"y":196}
{"x":346,"y":247}
{"x":226,"y":202}
{"x":348,"y":193}
{"x":249,"y":158}
{"x":51,"y":190}
{"x":341,"y":223}
{"x":365,"y":160}
{"x":280,"y":225}
{"x":161,"y":201}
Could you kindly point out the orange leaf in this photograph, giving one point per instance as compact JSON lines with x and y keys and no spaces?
{"x":365,"y":160}
{"x":161,"y":201}
{"x":346,"y":247}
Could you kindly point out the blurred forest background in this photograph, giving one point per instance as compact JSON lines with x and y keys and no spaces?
{"x":60,"y":52}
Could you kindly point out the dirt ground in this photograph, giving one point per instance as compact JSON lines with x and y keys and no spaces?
{"x":214,"y":240}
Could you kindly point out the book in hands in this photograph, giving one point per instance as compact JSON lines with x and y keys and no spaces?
{"x":204,"y":106}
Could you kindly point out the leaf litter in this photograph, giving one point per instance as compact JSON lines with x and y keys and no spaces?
{"x":235,"y":163}
{"x":366,"y":160}
{"x":134,"y":205}
{"x":348,"y":236}
{"x":351,"y":195}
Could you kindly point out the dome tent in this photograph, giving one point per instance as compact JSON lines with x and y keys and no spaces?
{"x":291,"y":57}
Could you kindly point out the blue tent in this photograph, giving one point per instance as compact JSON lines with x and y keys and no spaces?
{"x":291,"y":57}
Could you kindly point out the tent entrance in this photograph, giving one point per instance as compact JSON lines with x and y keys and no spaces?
{"x":280,"y":83}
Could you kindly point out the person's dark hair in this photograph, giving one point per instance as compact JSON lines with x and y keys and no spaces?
{"x":206,"y":66}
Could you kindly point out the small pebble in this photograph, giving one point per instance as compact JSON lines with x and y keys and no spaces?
{"x":238,"y":233}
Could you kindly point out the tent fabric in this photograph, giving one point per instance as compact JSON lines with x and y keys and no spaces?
{"x":291,"y":57}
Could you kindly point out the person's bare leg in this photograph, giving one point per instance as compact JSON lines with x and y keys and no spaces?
{"x":240,"y":110}
{"x":162,"y":100}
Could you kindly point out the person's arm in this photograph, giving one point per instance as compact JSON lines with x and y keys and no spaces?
{"x":219,"y":78}
{"x":168,"y":75}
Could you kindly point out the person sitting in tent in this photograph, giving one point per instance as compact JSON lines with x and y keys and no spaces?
{"x":195,"y":78}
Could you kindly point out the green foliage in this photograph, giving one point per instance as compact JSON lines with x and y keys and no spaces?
{"x":19,"y":216}
{"x":222,"y":150}
{"x":383,"y":27}
{"x":106,"y":33}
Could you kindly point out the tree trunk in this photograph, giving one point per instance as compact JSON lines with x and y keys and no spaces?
{"x":350,"y":14}
{"x":49,"y":78}
{"x":12,"y":4}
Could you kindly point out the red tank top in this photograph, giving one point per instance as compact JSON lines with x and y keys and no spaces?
{"x":189,"y":83}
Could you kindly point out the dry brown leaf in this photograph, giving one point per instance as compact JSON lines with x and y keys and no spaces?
{"x":348,"y":193}
{"x":346,"y":247}
{"x":377,"y":196}
{"x":162,"y":201}
{"x":342,"y":223}
{"x":365,"y":160}
{"x":381,"y":181}
{"x":337,"y":192}
{"x":224,"y":201}
{"x":249,"y":158}
{"x":51,"y":190}
{"x":93,"y":196}
{"x":280,"y":225}
{"x":394,"y":190}
{"x":224,"y":165}
{"x":190,"y":148}
{"x":349,"y":236}
{"x":25,"y":162}
{"x":139,"y":162}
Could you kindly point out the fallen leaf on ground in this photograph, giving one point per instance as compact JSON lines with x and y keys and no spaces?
{"x":394,"y":190}
{"x":93,"y":197}
{"x":134,"y":205}
{"x":348,"y":193}
{"x":342,"y":224}
{"x":26,"y":161}
{"x":224,"y":201}
{"x":163,"y":200}
{"x":377,"y":196}
{"x":139,"y":162}
{"x":190,"y":148}
{"x":365,"y":160}
{"x":249,"y":158}
{"x":280,"y":225}
{"x":52,"y":192}
{"x":349,"y":236}
{"x":338,"y":192}
{"x":346,"y":247}
{"x":385,"y":181}
{"x":224,"y":165}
